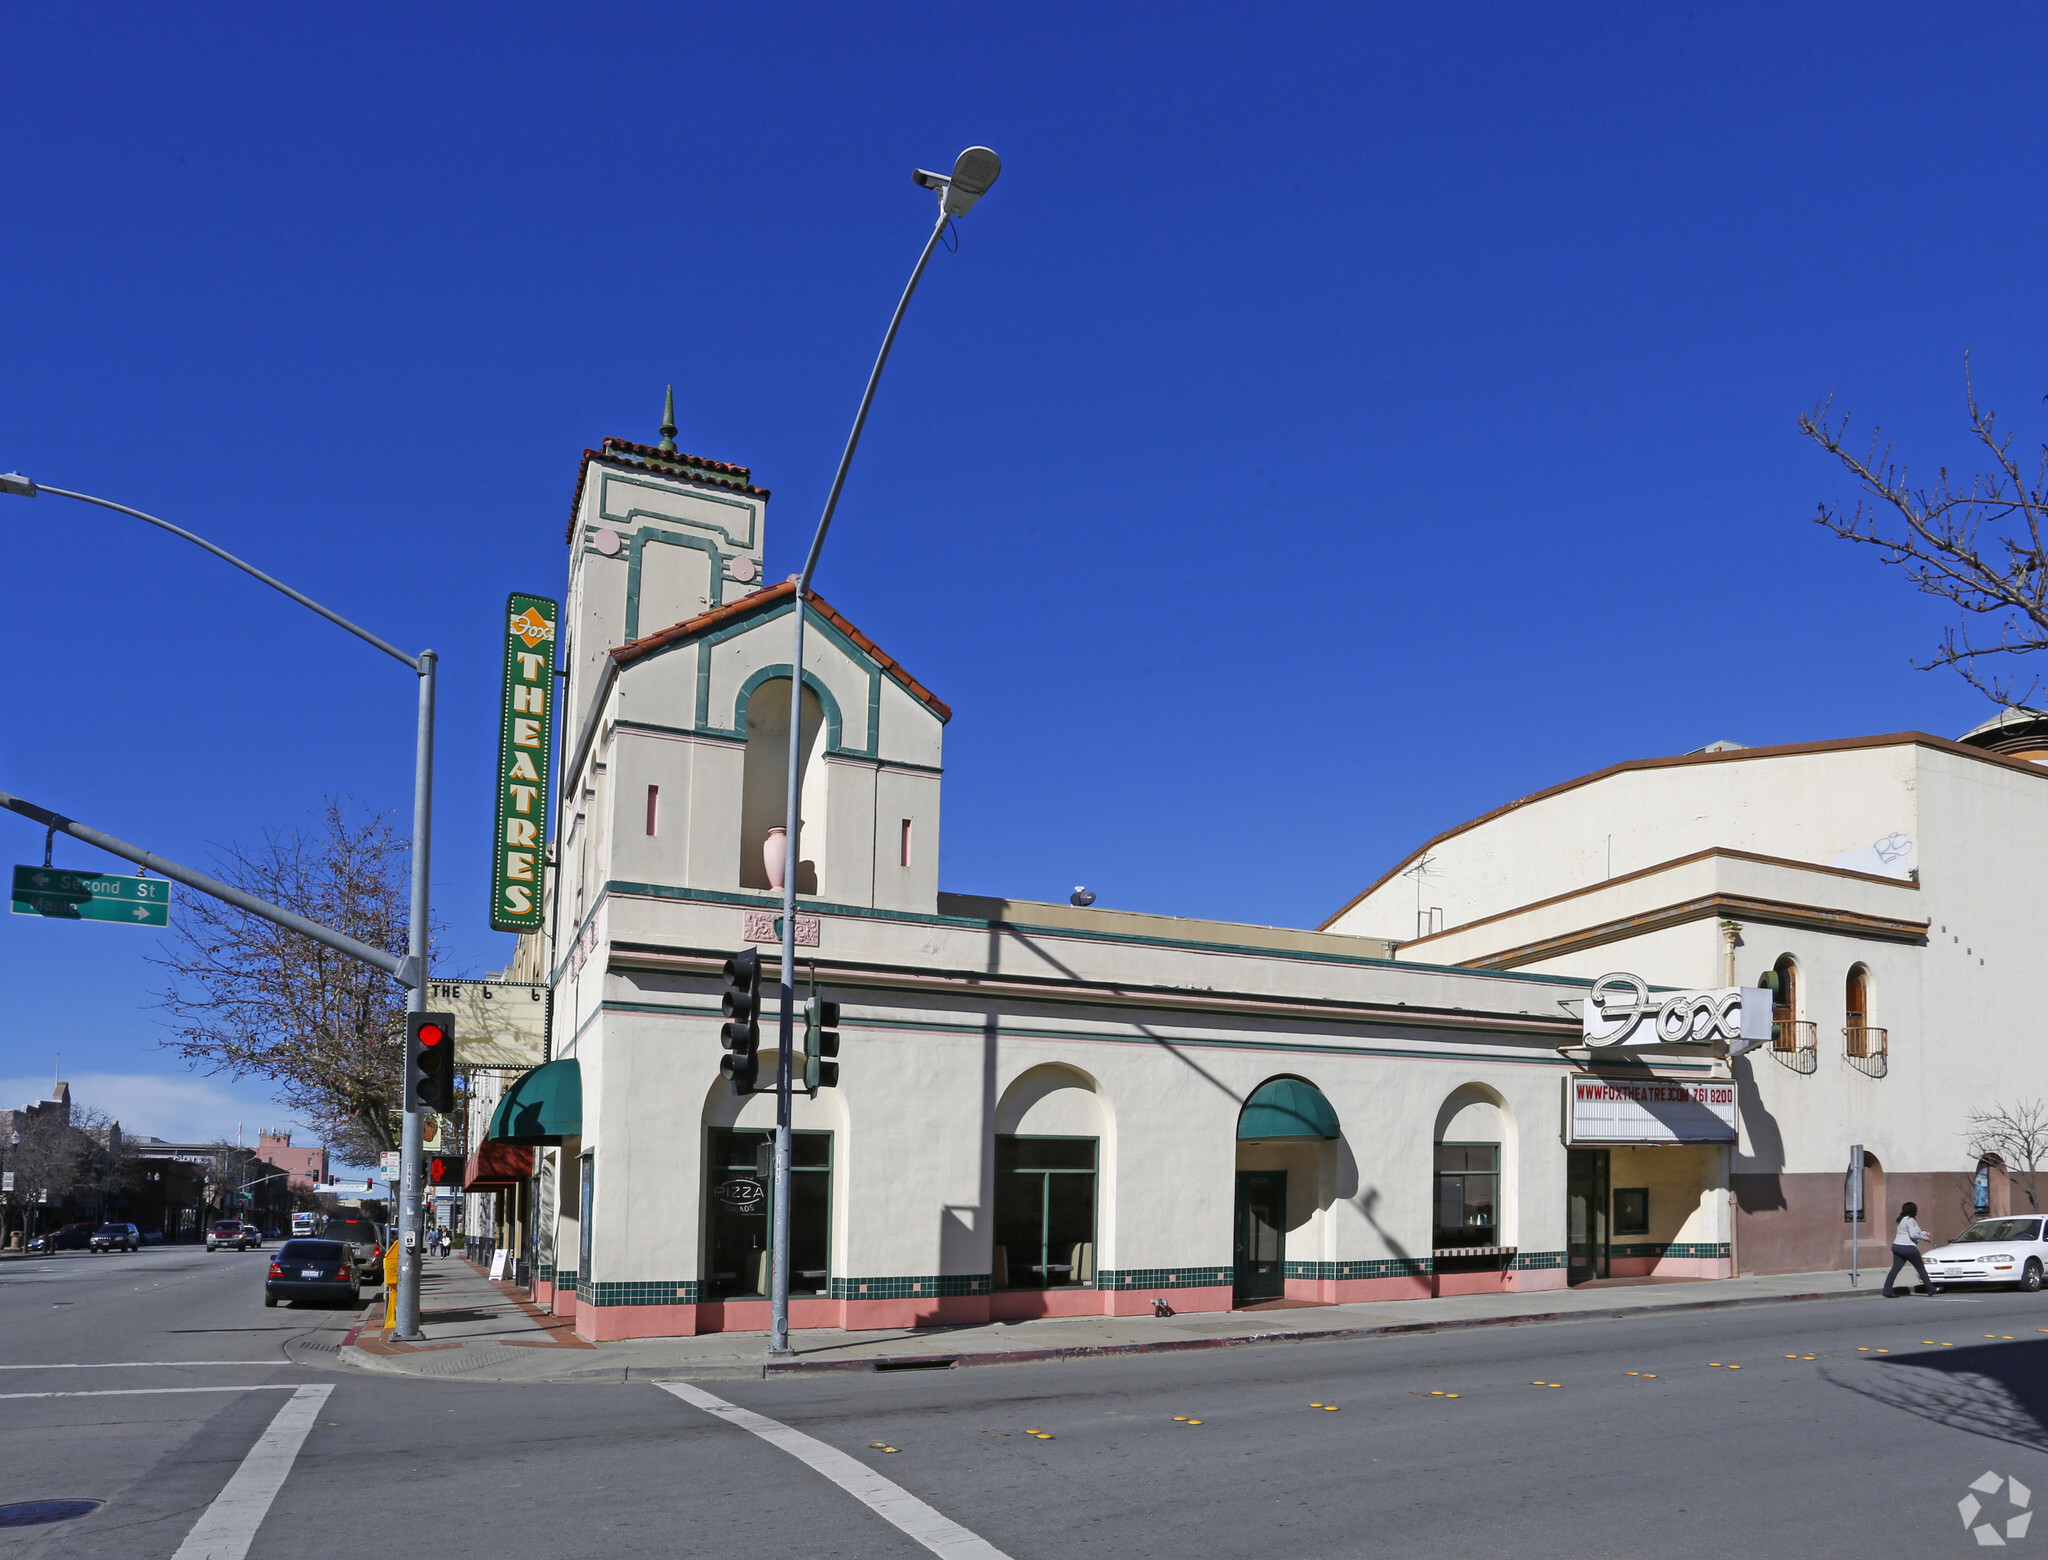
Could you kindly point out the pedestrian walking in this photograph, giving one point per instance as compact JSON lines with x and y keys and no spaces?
{"x":1906,"y":1248}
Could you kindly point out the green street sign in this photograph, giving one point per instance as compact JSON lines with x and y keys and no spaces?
{"x":91,"y":896}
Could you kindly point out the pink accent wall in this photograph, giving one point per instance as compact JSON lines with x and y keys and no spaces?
{"x":1671,"y":1267}
{"x":1344,"y":1291}
{"x":609,"y":1323}
{"x":1020,"y":1305}
{"x":1497,"y":1283}
{"x":543,"y":1291}
{"x":1532,"y":1280}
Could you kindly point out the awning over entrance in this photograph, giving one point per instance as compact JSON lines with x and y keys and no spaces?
{"x":1287,"y":1108}
{"x":542,"y":1107}
{"x":496,"y":1166}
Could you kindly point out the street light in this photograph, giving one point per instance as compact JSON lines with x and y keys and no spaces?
{"x":974,"y":172}
{"x":414,"y":971}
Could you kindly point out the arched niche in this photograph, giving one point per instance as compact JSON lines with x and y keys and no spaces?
{"x":1053,"y":1100}
{"x":764,"y":786}
{"x":1043,"y":1233}
{"x":723,"y":1111}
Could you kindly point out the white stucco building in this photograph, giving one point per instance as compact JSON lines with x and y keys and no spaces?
{"x":1050,"y":1110}
{"x":1889,"y":888}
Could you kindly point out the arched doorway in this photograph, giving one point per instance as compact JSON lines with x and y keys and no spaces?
{"x":1287,"y":1136}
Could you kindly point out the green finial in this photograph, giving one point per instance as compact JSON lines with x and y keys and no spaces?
{"x":668,"y":424}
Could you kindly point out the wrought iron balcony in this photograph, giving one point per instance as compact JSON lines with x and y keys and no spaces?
{"x":1868,"y":1050}
{"x":1795,"y":1042}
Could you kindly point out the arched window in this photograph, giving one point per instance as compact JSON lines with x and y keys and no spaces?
{"x":1785,"y":1005}
{"x":765,"y":781}
{"x":1860,"y":1039}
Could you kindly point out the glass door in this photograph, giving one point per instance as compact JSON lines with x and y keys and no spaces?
{"x":1585,"y":1192}
{"x":1261,"y":1237}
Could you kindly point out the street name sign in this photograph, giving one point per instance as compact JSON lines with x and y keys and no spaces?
{"x":91,"y":896}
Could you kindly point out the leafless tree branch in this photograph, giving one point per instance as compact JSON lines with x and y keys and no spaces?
{"x":1978,"y":544}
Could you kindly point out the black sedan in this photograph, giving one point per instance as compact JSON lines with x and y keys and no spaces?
{"x":312,"y":1270}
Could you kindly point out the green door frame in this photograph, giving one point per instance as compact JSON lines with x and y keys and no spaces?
{"x":1259,"y":1278}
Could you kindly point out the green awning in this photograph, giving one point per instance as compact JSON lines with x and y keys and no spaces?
{"x":543,"y":1106}
{"x":1287,"y":1108}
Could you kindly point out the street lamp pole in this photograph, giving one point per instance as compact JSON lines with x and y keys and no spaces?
{"x":974,"y":171}
{"x":413,"y":973}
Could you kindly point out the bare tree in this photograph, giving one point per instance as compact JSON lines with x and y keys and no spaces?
{"x":254,"y":1000}
{"x":2017,"y":1137}
{"x":1977,"y":543}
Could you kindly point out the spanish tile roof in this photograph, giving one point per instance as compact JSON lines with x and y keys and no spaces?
{"x":761,"y":600}
{"x":645,"y":457}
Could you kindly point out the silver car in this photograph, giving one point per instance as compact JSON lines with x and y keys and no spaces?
{"x":1993,"y":1251}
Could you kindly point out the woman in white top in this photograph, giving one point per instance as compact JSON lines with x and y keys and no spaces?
{"x":1906,"y":1248}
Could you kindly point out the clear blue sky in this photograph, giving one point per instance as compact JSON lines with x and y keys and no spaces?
{"x":1340,"y":420}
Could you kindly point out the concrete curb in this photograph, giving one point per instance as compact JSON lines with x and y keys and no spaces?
{"x":629,"y":1372}
{"x":894,"y":1362}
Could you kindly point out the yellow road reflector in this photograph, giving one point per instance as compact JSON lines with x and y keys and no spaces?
{"x":1539,"y":1383}
{"x":1180,"y":1419}
{"x":1450,"y":1394}
{"x":1329,"y":1408}
{"x":2008,"y":1337}
{"x":1735,"y":1367}
{"x":1862,"y":1348}
{"x":1649,"y":1375}
{"x":1791,"y":1356}
{"x":1806,"y":1356}
{"x":1315,"y":1405}
{"x":1557,"y":1383}
{"x":1194,"y":1421}
{"x":1043,"y":1436}
{"x":1948,"y":1346}
{"x":1634,"y":1373}
{"x":1435,"y":1393}
{"x":1923,"y":1340}
{"x":1883,"y":1351}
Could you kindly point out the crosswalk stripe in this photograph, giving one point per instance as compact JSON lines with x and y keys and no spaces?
{"x":889,"y":1501}
{"x":226,"y":1528}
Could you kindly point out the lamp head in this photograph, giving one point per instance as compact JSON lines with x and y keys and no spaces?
{"x":974,"y":171}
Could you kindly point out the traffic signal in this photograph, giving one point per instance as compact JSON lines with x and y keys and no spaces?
{"x":444,"y":1170}
{"x":741,"y":1035}
{"x":821,"y":1042}
{"x":430,"y":1062}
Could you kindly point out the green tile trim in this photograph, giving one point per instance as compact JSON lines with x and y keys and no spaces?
{"x":543,"y":1273}
{"x":1376,"y":1267}
{"x":926,"y":1286}
{"x":1165,"y":1278}
{"x":670,"y":1291}
{"x":1529,"y":1261}
{"x":1707,"y":1249}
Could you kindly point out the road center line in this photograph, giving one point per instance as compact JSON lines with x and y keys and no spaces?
{"x":225,"y":1529}
{"x":258,"y":1386}
{"x":891,"y":1502}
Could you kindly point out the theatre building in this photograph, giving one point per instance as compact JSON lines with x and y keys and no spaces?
{"x":1043,"y":1109}
{"x":1887,"y":890}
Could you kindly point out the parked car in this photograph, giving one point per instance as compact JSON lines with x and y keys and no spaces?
{"x":313,"y":1270}
{"x":115,"y":1237}
{"x":365,"y":1241}
{"x":223,"y":1233}
{"x":1992,"y":1251}
{"x":71,"y":1237}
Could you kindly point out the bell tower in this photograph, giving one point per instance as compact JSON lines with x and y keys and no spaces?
{"x":655,"y":538}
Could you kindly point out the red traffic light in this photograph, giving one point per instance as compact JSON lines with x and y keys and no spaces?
{"x":431,"y":1034}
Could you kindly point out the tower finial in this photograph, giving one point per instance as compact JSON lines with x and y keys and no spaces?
{"x":668,"y":424}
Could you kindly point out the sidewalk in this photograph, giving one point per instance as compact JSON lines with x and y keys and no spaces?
{"x":487,"y":1331}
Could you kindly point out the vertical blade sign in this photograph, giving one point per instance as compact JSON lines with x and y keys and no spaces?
{"x":525,"y":731}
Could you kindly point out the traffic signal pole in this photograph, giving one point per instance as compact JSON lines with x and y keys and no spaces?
{"x":407,"y":1319}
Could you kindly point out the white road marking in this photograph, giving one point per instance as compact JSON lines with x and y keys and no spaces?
{"x":225,"y":1529}
{"x":891,"y":1502}
{"x":141,"y":1364}
{"x":264,"y":1386}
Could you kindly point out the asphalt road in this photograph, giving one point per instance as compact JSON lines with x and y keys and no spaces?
{"x":1846,"y":1453}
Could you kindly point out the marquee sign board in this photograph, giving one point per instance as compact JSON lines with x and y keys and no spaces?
{"x":525,"y":737}
{"x":1600,"y":1111}
{"x":1620,"y":1011}
{"x":498,"y":1027}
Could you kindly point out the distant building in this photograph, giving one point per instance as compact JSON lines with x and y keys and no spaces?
{"x":308,"y":1166}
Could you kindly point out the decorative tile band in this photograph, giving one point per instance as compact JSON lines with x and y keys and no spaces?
{"x":1530,"y":1261}
{"x":918,"y":1287}
{"x":1706,"y":1249}
{"x":543,"y":1273}
{"x":1165,"y":1278}
{"x":1377,"y":1267}
{"x":639,"y":1292}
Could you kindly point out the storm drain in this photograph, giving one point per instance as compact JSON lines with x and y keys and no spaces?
{"x":33,"y":1513}
{"x":919,"y":1362}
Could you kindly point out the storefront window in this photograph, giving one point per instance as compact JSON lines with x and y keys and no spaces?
{"x":1631,"y":1210}
{"x":1045,"y":1212}
{"x":739,"y":1204}
{"x":1467,"y":1194}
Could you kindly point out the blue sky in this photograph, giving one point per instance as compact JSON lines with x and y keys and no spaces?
{"x":1338,"y":421}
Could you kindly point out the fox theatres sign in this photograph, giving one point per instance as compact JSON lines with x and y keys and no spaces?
{"x":1621,"y":1010}
{"x":525,"y":734}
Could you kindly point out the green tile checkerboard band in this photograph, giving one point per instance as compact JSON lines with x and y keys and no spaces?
{"x":1164,"y":1278}
{"x":671,"y":1291}
{"x":917,"y":1287}
{"x":1381,"y":1267}
{"x":1527,"y":1261}
{"x":1669,"y":1248}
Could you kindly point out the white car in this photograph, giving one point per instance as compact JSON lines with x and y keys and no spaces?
{"x":1992,"y":1251}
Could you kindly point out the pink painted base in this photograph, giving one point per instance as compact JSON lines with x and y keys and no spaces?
{"x":1499,"y":1283}
{"x":1533,"y":1280}
{"x":1344,"y":1291}
{"x":543,"y":1292}
{"x":1671,"y":1267}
